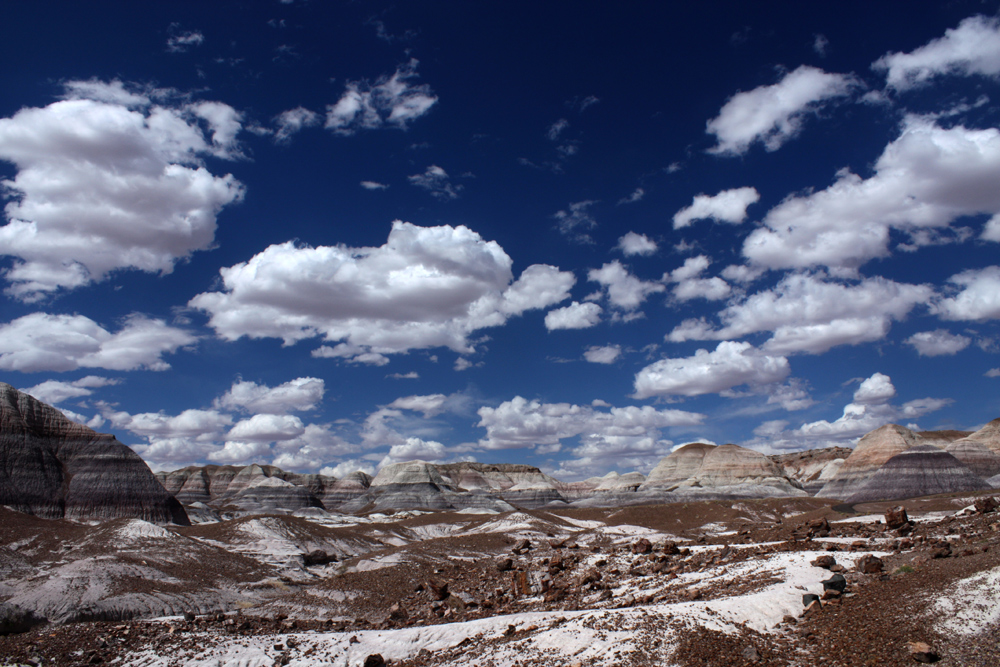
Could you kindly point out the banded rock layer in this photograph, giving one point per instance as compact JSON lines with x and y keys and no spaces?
{"x":53,"y":467}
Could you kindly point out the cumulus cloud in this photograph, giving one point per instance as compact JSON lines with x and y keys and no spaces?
{"x":391,"y":101}
{"x":973,"y":48}
{"x":690,"y":284}
{"x":429,"y":405}
{"x":296,"y":395}
{"x":426,"y":287}
{"x":54,"y":392}
{"x":727,"y":206}
{"x":808,"y":313}
{"x":574,"y":316}
{"x":977,"y":298}
{"x":636,"y":244}
{"x":266,"y":428}
{"x":43,"y":342}
{"x":414,"y":449}
{"x":606,"y":354}
{"x":623,"y":289}
{"x":938,"y":342}
{"x":520,"y":423}
{"x":870,"y":409}
{"x":436,"y":181}
{"x":993,"y":373}
{"x":294,"y":120}
{"x":927,"y":178}
{"x":111,"y":178}
{"x":373,"y":185}
{"x":774,"y":114}
{"x":574,"y":218}
{"x":730,"y":365}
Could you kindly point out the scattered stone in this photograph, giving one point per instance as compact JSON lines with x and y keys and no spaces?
{"x":750,"y":654}
{"x":375,"y":660}
{"x":505,"y":565}
{"x":809,"y":598}
{"x":642,"y":546}
{"x":922,"y":652}
{"x":318,"y":558}
{"x":836,"y":582}
{"x":895,"y":517}
{"x":870,"y":564}
{"x":824,"y":561}
{"x":985,"y":504}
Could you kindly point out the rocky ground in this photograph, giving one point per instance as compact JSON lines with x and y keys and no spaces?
{"x":708,"y":583}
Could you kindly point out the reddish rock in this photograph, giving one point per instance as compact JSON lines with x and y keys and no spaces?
{"x":896,"y":518}
{"x":870,"y":564}
{"x":642,"y":546}
{"x":986,"y":504}
{"x":824,"y":561}
{"x":922,"y":652}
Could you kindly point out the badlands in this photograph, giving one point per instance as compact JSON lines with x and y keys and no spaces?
{"x":884,"y":554}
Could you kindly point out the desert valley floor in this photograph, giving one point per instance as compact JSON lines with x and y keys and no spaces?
{"x":703,"y":583}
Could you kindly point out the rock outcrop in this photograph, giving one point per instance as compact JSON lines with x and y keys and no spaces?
{"x":346,"y":489}
{"x":738,"y":472}
{"x":53,"y":467}
{"x":980,"y":459}
{"x":922,"y":470}
{"x":812,"y":468}
{"x":988,"y":435}
{"x":871,"y":452}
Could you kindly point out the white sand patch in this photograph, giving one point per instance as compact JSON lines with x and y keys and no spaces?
{"x":972,"y":605}
{"x":582,"y":523}
{"x":139,"y":529}
{"x":377,"y":563}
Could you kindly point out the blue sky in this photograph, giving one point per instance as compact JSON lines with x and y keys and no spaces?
{"x":331,"y":236}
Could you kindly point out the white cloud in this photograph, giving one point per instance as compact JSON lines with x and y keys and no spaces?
{"x":522,"y":423}
{"x":392,"y":100}
{"x":927,"y":178}
{"x":971,"y":48}
{"x":869,"y":410}
{"x":808,"y":313}
{"x":993,"y":373}
{"x":429,"y":405}
{"x":436,"y":181}
{"x":820,"y":45}
{"x":266,"y":428}
{"x":412,"y":375}
{"x":110,"y":181}
{"x":730,"y":365}
{"x":43,"y":342}
{"x":727,"y":206}
{"x":54,"y":392}
{"x":636,"y":195}
{"x":574,"y":316}
{"x":240,"y":453}
{"x":345,"y":468}
{"x":354,"y":354}
{"x":414,"y":449}
{"x":623,"y":289}
{"x":556,"y":129}
{"x":607,"y":354}
{"x":294,"y":120}
{"x":180,"y":42}
{"x":774,"y":114}
{"x":978,"y":298}
{"x":691,"y":286}
{"x":938,"y":342}
{"x":373,"y":185}
{"x":296,"y":395}
{"x":426,"y":287}
{"x":574,"y":218}
{"x":636,"y":244}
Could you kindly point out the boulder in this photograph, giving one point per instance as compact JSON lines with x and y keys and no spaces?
{"x":53,"y":467}
{"x":896,"y":517}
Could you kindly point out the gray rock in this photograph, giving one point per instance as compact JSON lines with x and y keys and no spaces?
{"x":923,"y":470}
{"x":53,"y":467}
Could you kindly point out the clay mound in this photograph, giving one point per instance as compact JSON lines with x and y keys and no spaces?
{"x":534,"y":493}
{"x":676,"y":467}
{"x":615,"y":483}
{"x":53,"y":467}
{"x":735,"y":466}
{"x":812,"y":468}
{"x":346,"y":489}
{"x":923,"y":470}
{"x":980,"y":459}
{"x":989,"y":435}
{"x":871,"y":452}
{"x":498,"y":476}
{"x":419,"y":485}
{"x":942,"y":438}
{"x":273,"y":494}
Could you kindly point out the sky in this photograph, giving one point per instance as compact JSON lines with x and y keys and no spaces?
{"x":331,"y":236}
